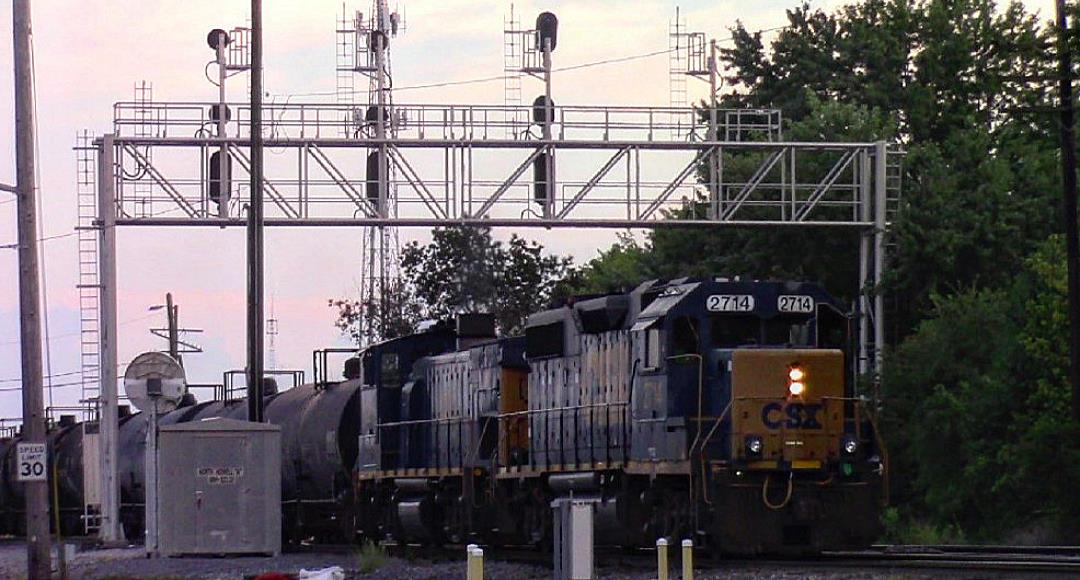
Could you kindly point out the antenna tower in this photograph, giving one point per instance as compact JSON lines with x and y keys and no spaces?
{"x":363,"y":48}
{"x":271,"y":341}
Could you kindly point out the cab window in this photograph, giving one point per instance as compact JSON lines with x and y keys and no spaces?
{"x":652,"y":347}
{"x":685,"y":337}
{"x":734,"y":330}
{"x":788,"y":330}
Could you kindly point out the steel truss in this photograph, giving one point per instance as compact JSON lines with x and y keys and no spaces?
{"x":439,"y":165}
{"x":619,"y":167}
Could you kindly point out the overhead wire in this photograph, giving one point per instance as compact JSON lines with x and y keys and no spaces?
{"x":70,"y":334}
{"x":615,"y":60}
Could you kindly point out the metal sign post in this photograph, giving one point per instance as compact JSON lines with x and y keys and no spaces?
{"x":154,"y":382}
{"x":151,"y":497}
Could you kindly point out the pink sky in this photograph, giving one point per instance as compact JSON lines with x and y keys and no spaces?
{"x":89,"y":54}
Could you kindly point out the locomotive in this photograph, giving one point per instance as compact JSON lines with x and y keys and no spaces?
{"x":718,"y":409}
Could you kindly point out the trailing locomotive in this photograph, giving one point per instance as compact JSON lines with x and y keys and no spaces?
{"x":715,"y":409}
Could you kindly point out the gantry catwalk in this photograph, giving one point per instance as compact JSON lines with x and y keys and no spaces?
{"x":476,"y":165}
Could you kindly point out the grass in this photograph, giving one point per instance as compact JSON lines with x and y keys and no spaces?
{"x":372,"y":557}
{"x":907,"y":530}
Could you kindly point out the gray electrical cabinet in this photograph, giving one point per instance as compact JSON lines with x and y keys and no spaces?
{"x":573,"y":538}
{"x":220,"y":488}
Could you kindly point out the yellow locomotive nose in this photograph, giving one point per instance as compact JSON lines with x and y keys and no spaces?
{"x":788,"y":403}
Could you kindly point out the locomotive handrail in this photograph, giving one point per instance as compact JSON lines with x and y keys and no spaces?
{"x":704,"y":444}
{"x":501,"y":415}
{"x":697,"y":431}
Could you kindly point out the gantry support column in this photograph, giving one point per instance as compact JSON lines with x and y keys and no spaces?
{"x":108,"y":420}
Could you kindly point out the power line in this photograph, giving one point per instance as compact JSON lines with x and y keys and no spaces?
{"x":77,"y":333}
{"x":17,"y":379}
{"x":573,"y":67}
{"x":15,"y":246}
{"x":55,"y":386}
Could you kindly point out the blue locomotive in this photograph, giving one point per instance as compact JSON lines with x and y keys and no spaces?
{"x":716,"y":409}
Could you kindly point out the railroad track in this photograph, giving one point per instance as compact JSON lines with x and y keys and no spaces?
{"x":1064,"y":560}
{"x":1042,"y":559}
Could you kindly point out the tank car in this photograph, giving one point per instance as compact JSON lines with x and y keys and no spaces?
{"x":716,"y":409}
{"x":319,"y":436}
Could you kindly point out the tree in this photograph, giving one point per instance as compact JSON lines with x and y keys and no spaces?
{"x":978,"y":405}
{"x":463,"y":270}
{"x":974,"y":388}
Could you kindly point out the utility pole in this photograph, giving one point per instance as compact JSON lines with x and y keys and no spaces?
{"x":255,"y":226}
{"x":38,"y":563}
{"x":172,"y":313}
{"x":1068,"y":205}
{"x":714,"y":159}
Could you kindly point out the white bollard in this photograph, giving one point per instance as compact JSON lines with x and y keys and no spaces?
{"x":661,"y":559}
{"x":475,"y":563}
{"x":687,"y":560}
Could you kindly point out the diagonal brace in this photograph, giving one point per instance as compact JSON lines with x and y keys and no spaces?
{"x":509,"y":181}
{"x":679,"y":179}
{"x":345,"y":185}
{"x":826,"y":183}
{"x":755,"y":180}
{"x":417,"y":184}
{"x":592,"y":182}
{"x":162,"y":181}
{"x":274,"y":194}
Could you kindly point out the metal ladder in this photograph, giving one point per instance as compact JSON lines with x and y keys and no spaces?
{"x":678,"y":65}
{"x":894,"y":181}
{"x":345,"y":89}
{"x":89,"y":288}
{"x":512,"y":59}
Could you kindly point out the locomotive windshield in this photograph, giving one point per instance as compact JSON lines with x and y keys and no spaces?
{"x":732,"y":331}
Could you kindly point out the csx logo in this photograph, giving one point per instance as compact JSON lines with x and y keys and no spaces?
{"x":792,"y":415}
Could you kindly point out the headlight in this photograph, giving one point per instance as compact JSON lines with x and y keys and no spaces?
{"x":796,"y":377}
{"x":849,"y":445}
{"x":754,"y":445}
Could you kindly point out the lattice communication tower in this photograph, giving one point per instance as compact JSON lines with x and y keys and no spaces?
{"x":363,"y":50}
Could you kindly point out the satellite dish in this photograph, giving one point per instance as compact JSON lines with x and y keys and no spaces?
{"x":154,"y":382}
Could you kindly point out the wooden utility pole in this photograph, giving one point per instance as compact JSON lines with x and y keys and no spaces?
{"x":37,"y":492}
{"x":174,"y":332}
{"x":1068,"y":205}
{"x":255,"y":226}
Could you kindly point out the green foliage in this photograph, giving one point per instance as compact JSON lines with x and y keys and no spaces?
{"x":976,"y":395}
{"x":463,"y":269}
{"x":978,"y":405}
{"x":617,"y":269}
{"x":371,"y":557}
{"x":901,"y":529}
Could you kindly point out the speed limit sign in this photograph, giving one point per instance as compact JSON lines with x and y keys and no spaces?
{"x":31,"y":461}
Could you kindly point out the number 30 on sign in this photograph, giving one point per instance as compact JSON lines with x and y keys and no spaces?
{"x":32,"y":457}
